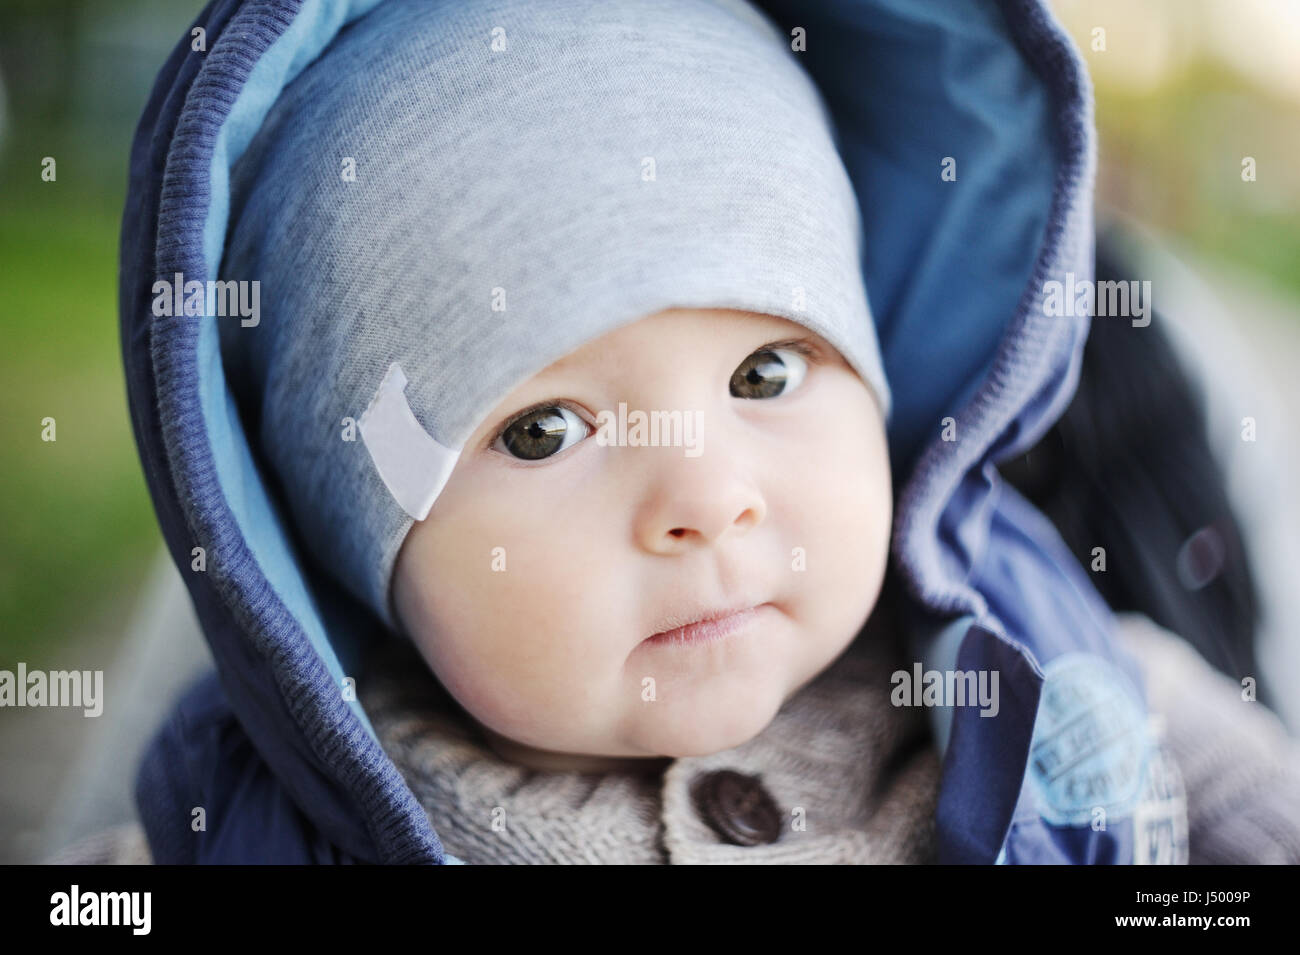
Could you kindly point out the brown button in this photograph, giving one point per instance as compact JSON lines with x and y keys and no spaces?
{"x":736,"y":807}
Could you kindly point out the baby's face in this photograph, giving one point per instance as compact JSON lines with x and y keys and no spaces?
{"x":552,"y":554}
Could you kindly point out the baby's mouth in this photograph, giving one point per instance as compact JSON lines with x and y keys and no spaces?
{"x":711,"y":626}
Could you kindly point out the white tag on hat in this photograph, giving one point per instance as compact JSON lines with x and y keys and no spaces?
{"x":414,"y":466}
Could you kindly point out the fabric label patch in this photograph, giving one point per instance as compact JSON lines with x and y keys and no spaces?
{"x":414,"y":467}
{"x":1089,"y":752}
{"x":1160,"y":819}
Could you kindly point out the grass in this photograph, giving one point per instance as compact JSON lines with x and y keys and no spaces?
{"x":78,"y":523}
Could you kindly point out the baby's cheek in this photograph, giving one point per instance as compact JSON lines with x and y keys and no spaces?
{"x":529,"y":650}
{"x":535,"y":698}
{"x":533,"y":613}
{"x":841,"y":519}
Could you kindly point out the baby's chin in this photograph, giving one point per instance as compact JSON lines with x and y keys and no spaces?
{"x":727,"y":714}
{"x":651,"y":736}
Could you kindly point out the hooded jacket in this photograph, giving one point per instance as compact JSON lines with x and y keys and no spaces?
{"x":967,"y":132}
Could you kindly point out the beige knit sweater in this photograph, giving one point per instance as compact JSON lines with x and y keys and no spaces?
{"x":843,"y":775}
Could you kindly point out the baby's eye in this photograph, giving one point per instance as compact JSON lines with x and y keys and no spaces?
{"x":541,"y":433}
{"x":769,"y":372}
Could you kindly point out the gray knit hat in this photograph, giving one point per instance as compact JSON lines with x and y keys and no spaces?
{"x":458,"y":193}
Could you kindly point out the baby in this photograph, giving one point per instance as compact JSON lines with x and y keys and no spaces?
{"x":607,"y":553}
{"x":508,"y":253}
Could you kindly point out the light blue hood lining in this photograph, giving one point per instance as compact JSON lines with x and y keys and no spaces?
{"x":913,"y":86}
{"x":262,"y":522}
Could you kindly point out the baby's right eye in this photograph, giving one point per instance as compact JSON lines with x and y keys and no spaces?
{"x":541,"y":433}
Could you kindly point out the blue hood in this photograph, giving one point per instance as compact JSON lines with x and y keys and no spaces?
{"x":280,"y":757}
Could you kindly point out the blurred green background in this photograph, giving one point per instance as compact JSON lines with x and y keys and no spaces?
{"x":79,"y":529}
{"x":1180,"y":87}
{"x":1185,"y":90}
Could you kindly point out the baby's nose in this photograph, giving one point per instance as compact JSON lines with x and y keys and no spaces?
{"x":697,"y":501}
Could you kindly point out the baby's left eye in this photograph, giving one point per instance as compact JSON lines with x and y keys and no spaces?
{"x":769,"y":372}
